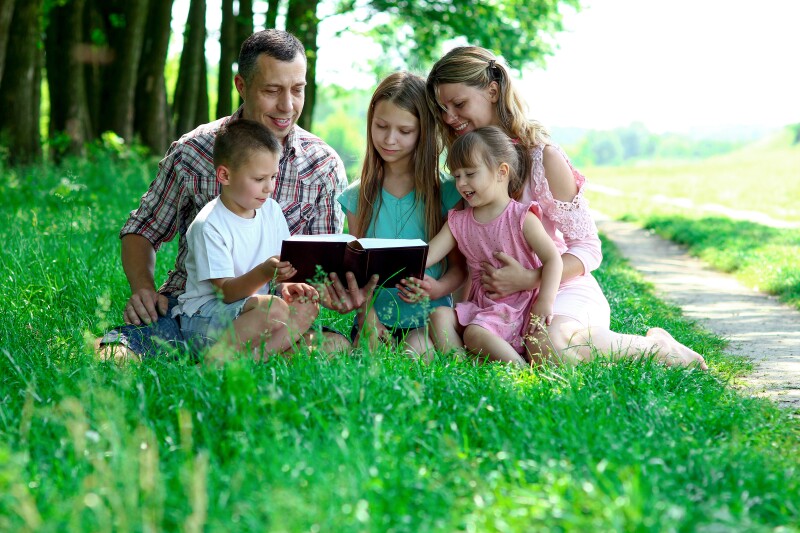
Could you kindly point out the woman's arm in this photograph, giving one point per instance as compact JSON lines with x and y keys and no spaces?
{"x":570,"y":213}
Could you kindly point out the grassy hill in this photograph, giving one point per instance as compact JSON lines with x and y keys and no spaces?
{"x":763,"y":176}
{"x":687,"y":202}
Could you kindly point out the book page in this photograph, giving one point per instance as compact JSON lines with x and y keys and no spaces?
{"x":323,"y":237}
{"x":371,"y":243}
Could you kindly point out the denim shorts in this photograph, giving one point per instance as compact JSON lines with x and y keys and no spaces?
{"x":209,"y":322}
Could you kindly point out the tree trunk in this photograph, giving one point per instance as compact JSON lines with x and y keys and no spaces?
{"x":188,"y":86}
{"x":244,"y":26}
{"x":272,"y":14}
{"x":120,"y":86}
{"x":244,"y":21}
{"x":302,"y":21}
{"x":152,"y":117}
{"x":228,"y":50}
{"x":19,"y":92}
{"x":201,"y":115}
{"x":6,"y":12}
{"x":96,"y":70}
{"x":65,"y":59}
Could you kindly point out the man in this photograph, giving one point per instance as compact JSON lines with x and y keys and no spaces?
{"x":271,"y":81}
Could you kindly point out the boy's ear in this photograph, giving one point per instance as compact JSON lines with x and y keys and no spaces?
{"x":223,"y":175}
{"x":494,"y":92}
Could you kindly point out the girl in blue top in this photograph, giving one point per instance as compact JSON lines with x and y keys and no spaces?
{"x":402,"y":195}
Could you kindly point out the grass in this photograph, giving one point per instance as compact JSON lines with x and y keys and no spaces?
{"x":762,"y":177}
{"x":371,"y":442}
{"x":761,"y":256}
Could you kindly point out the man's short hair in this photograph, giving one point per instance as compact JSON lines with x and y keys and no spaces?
{"x":239,"y":138}
{"x":278,"y":44}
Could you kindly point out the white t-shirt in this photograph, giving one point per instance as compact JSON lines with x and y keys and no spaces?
{"x":224,"y":245}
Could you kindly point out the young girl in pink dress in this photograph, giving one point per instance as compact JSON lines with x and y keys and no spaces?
{"x":470,"y":88}
{"x":485,"y":166}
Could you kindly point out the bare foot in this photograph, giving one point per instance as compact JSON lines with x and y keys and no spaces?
{"x":675,"y":353}
{"x":114,"y":352}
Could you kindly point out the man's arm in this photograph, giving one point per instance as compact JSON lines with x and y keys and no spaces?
{"x":139,"y":263}
{"x":329,"y":217}
{"x":153,"y":222}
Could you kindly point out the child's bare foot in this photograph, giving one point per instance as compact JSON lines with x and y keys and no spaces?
{"x":673,"y":352}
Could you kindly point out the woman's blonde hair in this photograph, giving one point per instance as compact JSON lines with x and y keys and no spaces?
{"x":406,"y":91}
{"x":477,"y":67}
{"x":492,"y":147}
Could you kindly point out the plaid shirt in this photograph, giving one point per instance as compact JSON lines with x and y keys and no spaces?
{"x":310,"y":176}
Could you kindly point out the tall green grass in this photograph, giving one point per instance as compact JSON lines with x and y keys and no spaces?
{"x":370,"y":442}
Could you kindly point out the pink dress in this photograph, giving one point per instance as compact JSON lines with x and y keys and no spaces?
{"x":506,"y":317}
{"x":572,"y":228}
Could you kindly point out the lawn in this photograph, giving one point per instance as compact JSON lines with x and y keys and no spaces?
{"x":365,"y":442}
{"x":762,"y":178}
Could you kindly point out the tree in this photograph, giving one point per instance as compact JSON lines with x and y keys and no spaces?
{"x":271,"y":15}
{"x":190,"y":85}
{"x":227,"y":55}
{"x":65,"y":56}
{"x":20,"y":95}
{"x":516,"y":29}
{"x":120,"y":87}
{"x":302,"y":21}
{"x":415,"y":30}
{"x":6,"y":12}
{"x":152,"y":117}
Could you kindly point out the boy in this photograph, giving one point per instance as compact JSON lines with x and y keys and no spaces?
{"x":227,"y":277}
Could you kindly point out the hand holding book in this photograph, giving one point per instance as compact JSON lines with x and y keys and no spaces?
{"x":391,"y":259}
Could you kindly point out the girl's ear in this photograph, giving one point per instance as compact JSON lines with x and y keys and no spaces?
{"x":502,"y":172}
{"x":223,"y":175}
{"x":494,"y":92}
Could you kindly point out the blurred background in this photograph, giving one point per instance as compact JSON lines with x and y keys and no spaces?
{"x":614,"y":80}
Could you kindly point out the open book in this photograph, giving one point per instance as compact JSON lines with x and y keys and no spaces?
{"x":391,"y":259}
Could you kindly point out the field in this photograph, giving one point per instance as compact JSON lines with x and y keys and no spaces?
{"x":716,"y":207}
{"x":361,"y":442}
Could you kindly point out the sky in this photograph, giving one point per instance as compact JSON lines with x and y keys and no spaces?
{"x":678,"y":65}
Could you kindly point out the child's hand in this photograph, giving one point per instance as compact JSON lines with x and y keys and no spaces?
{"x":414,"y":290}
{"x":279,"y":270}
{"x":541,"y":314}
{"x":300,"y":291}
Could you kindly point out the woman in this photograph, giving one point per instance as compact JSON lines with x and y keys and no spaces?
{"x":470,"y":88}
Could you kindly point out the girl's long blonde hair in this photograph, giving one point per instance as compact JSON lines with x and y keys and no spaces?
{"x":477,"y":67}
{"x":406,"y":91}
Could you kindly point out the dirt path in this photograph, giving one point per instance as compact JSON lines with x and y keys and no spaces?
{"x":757,"y":326}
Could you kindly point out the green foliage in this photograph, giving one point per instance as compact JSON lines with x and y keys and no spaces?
{"x":340,"y":119}
{"x":414,"y":31}
{"x":369,"y":442}
{"x":635,"y":143}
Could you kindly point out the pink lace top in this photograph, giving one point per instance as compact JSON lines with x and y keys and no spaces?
{"x":569,"y":224}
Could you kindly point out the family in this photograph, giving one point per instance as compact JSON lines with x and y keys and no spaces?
{"x":510,"y":219}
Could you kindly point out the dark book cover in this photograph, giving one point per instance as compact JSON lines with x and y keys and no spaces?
{"x":391,"y":259}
